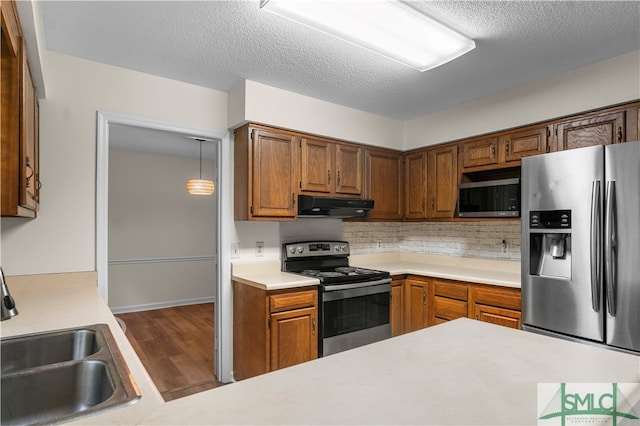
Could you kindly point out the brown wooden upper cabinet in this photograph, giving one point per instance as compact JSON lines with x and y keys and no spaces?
{"x":266,"y":174}
{"x":524,"y":142}
{"x":19,"y":129}
{"x":415,"y":170}
{"x":330,"y":168}
{"x":442,"y":181}
{"x":479,"y":152}
{"x":504,"y":149}
{"x":384,"y":182}
{"x":600,"y":128}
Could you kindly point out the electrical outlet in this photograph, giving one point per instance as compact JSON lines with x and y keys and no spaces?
{"x":235,"y":250}
{"x":379,"y":244}
{"x":505,"y":247}
{"x":259,"y":248}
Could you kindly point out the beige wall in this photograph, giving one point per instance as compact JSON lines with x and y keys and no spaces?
{"x":153,"y":224}
{"x":62,"y":238}
{"x":601,"y":84}
{"x":255,"y":102}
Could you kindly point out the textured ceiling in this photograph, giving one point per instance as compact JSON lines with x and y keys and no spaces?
{"x":217,"y":44}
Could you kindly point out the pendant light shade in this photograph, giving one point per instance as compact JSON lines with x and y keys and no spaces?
{"x":200,"y":186}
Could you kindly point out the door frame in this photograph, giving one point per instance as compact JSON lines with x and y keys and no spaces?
{"x":223,"y":344}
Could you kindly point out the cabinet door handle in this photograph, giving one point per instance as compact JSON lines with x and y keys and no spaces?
{"x":338,"y":177}
{"x":28,"y":166}
{"x":424,"y":296}
{"x":493,"y":151}
{"x":293,"y":200}
{"x":619,"y":134}
{"x":433,"y":203}
{"x":423,"y":204}
{"x":508,"y":148}
{"x":313,"y":325}
{"x":328,"y":176}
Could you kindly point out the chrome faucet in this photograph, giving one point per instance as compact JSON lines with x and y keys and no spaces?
{"x":7,"y":304}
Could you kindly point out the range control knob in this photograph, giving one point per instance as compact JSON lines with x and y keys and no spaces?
{"x":292,"y":249}
{"x":343,"y":247}
{"x":300,"y":249}
{"x":337,"y":248}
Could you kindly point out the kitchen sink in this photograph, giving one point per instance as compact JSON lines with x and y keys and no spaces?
{"x":62,"y":375}
{"x":51,"y":348}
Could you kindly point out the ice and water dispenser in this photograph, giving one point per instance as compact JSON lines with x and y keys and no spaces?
{"x":550,"y":243}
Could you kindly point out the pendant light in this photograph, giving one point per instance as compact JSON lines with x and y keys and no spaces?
{"x":200,"y":186}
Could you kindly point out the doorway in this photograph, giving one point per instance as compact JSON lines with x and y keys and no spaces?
{"x":158,"y":145}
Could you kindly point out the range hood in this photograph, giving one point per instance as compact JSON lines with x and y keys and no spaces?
{"x":311,"y":206}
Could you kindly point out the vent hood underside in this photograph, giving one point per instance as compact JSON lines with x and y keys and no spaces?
{"x":311,"y":206}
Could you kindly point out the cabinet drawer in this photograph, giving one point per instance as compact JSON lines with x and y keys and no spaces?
{"x":449,"y":309}
{"x":504,"y":317}
{"x":294,"y":300}
{"x":451,"y":290}
{"x":502,"y":298}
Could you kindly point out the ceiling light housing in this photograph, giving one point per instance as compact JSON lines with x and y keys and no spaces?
{"x":389,"y":28}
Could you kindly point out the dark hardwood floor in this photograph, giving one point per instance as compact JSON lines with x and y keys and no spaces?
{"x":176,"y":346}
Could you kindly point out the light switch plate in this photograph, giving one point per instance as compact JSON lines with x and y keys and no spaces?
{"x":235,"y":250}
{"x":259,"y":248}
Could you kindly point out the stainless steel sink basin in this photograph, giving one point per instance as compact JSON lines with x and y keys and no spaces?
{"x":62,"y":375}
{"x":50,"y":348}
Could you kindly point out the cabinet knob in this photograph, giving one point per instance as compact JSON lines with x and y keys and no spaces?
{"x":493,"y":151}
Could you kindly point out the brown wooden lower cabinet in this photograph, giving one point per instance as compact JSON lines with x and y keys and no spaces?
{"x":497,"y":305}
{"x":416,"y":304}
{"x":430,"y":301}
{"x":397,"y":306}
{"x":448,"y":301}
{"x":273,"y":329}
{"x":499,"y":316}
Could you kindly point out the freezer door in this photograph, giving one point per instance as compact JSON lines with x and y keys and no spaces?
{"x":563,"y":294}
{"x":622,"y":245}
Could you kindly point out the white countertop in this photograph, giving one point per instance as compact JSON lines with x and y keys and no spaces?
{"x":58,"y":301}
{"x":461,"y":372}
{"x":267,"y":275}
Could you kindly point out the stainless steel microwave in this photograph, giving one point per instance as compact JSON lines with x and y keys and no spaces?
{"x":492,"y":198}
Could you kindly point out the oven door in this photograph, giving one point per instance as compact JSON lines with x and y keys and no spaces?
{"x":354,"y":314}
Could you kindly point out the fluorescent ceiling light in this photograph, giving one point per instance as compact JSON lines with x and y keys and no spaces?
{"x":387,"y":27}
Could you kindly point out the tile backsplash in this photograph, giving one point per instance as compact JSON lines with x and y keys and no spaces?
{"x":476,"y":239}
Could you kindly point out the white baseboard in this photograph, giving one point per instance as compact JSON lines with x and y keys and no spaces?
{"x":161,"y":305}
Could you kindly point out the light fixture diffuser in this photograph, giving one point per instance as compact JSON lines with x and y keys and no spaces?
{"x":200,"y":186}
{"x":387,"y":27}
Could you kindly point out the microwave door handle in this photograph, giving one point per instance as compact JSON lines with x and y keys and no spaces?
{"x":596,"y":246}
{"x":610,"y":246}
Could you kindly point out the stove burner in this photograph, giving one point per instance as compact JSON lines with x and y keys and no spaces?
{"x":346,"y":269}
{"x":330,"y":274}
{"x":310,"y":272}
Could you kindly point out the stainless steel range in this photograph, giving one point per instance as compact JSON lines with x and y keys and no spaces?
{"x":354,"y":302}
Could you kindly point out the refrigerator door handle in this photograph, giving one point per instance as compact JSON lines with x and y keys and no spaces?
{"x":596,"y":246}
{"x":610,"y":245}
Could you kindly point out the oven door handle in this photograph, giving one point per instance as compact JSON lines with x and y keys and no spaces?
{"x":356,"y":285}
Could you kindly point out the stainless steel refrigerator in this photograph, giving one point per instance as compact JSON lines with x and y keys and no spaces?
{"x":581,"y":244}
